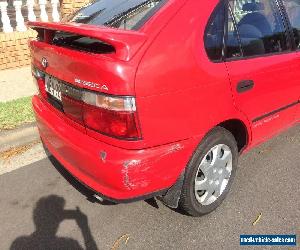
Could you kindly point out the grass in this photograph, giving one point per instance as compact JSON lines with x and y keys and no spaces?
{"x":15,"y":113}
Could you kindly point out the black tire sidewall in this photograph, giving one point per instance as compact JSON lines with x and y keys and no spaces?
{"x":188,"y":199}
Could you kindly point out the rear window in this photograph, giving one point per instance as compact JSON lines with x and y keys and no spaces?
{"x":121,"y":14}
{"x":81,"y":43}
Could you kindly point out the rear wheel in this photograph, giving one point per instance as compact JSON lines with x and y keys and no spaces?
{"x":210,"y":173}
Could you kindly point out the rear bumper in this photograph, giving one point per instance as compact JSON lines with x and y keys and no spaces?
{"x":117,"y":174}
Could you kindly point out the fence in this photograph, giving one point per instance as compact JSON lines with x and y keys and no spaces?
{"x":14,"y":13}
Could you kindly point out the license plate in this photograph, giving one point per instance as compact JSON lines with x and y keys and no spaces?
{"x":53,"y":87}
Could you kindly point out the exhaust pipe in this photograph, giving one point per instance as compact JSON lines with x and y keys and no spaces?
{"x":98,"y":197}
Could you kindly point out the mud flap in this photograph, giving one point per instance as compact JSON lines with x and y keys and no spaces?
{"x":172,"y":197}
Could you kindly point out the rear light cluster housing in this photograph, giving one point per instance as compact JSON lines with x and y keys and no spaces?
{"x":114,"y":116}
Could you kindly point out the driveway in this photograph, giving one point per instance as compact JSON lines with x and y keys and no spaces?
{"x":42,"y":207}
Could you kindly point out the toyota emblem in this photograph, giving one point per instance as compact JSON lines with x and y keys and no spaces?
{"x":44,"y":62}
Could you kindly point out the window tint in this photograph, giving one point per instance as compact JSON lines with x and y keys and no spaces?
{"x":293,"y":11}
{"x":122,"y":14}
{"x":81,"y":43}
{"x":233,"y":46}
{"x":257,"y":26}
{"x":213,"y":39}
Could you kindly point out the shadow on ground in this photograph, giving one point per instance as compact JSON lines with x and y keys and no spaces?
{"x":48,"y":213}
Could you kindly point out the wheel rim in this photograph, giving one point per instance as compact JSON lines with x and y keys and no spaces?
{"x":213,"y":174}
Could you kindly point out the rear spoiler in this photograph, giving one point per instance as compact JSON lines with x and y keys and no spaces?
{"x":125,"y":42}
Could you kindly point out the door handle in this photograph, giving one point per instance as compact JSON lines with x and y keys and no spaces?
{"x":244,"y":85}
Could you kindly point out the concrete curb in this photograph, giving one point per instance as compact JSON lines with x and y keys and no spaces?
{"x":18,"y":137}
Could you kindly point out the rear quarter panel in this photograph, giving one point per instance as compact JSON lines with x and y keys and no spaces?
{"x":180,"y":93}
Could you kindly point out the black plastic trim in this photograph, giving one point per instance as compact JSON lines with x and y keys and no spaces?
{"x":172,"y":197}
{"x":244,"y":86}
{"x":135,"y":199}
{"x":216,"y":9}
{"x":276,"y":111}
{"x":288,"y":24}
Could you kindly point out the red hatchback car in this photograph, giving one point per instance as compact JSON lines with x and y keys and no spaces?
{"x":145,"y":98}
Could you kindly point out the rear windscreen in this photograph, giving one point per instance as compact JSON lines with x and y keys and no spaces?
{"x":121,"y":14}
{"x":81,"y":43}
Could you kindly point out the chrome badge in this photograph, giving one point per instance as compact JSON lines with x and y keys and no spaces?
{"x":91,"y":84}
{"x":44,"y":62}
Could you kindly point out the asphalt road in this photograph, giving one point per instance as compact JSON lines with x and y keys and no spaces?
{"x":38,"y":208}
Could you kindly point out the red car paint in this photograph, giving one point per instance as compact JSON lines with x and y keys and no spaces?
{"x":180,"y":96}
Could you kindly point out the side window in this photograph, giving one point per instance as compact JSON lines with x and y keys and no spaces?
{"x":257,"y":26}
{"x":213,"y":39}
{"x":293,"y":11}
{"x":233,"y":45}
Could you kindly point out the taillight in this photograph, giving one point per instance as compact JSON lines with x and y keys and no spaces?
{"x":110,"y":102}
{"x":115,"y":116}
{"x":39,"y":78}
{"x":72,"y":108}
{"x":110,"y":115}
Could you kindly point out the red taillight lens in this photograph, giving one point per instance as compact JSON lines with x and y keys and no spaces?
{"x":41,"y":85}
{"x":72,"y":108}
{"x":39,"y":77}
{"x":111,"y":115}
{"x":112,"y":123}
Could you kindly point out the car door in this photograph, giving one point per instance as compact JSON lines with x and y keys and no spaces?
{"x":258,"y":58}
{"x":292,"y":10}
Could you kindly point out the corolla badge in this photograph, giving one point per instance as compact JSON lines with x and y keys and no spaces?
{"x":91,"y":84}
{"x":44,"y":62}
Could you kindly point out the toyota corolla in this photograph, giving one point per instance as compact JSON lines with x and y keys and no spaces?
{"x":158,"y":98}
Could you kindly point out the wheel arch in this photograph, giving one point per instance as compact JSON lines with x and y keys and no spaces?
{"x":239,"y":130}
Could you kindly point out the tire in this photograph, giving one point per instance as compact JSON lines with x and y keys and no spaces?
{"x":206,"y":169}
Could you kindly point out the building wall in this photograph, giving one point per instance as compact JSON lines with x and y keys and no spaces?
{"x":70,"y":6}
{"x":14,"y":51}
